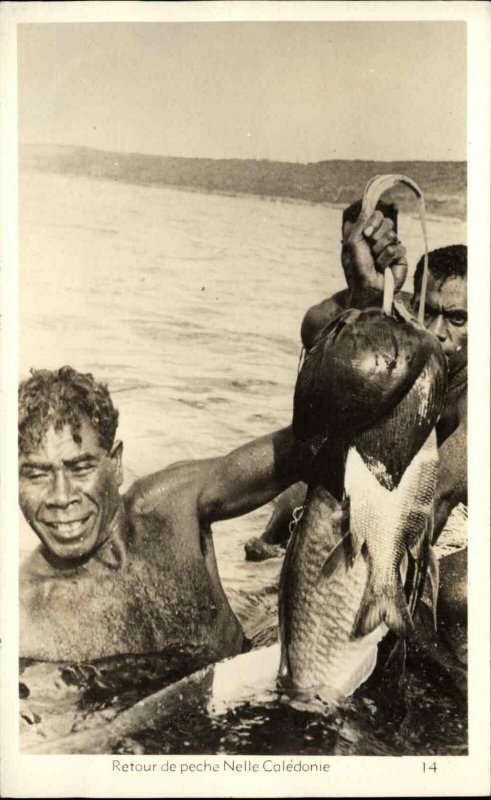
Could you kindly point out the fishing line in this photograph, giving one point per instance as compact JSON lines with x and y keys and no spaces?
{"x":424,"y":282}
{"x":296,"y":517}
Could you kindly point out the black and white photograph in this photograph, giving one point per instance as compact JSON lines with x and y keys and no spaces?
{"x":242,"y":380}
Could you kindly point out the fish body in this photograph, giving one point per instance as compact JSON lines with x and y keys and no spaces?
{"x":366,"y":404}
{"x":388,"y":524}
{"x":391,"y":498}
{"x":318,"y":610}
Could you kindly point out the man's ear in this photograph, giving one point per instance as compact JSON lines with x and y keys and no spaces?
{"x":116,"y":456}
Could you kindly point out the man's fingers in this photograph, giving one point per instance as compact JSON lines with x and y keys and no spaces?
{"x":383,"y":230}
{"x":395,"y":258}
{"x":373,"y":224}
{"x":393,"y":254}
{"x":387,"y":240}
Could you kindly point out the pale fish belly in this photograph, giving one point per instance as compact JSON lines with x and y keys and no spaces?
{"x":389,"y":521}
{"x":319,"y":611}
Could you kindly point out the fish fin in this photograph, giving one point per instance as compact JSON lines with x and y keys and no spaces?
{"x":434,"y":579}
{"x":335,"y":558}
{"x":365,"y":660}
{"x":390,"y":607}
{"x":355,"y":543}
{"x":419,"y":554}
{"x":284,"y":595}
{"x":347,"y":547}
{"x":284,"y":669}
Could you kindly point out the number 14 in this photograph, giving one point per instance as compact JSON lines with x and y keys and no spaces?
{"x":430,"y":767}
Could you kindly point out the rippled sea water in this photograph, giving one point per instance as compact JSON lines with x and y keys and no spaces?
{"x":189,"y":306}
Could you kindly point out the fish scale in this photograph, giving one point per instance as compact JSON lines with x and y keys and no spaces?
{"x":317,"y":625}
{"x":405,"y":511}
{"x":341,"y":585}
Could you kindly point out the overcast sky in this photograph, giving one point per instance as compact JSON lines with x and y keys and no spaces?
{"x":287,"y":91}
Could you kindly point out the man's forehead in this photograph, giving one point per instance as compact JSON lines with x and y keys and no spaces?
{"x":453,"y":289}
{"x":65,"y":442}
{"x":453,"y":282}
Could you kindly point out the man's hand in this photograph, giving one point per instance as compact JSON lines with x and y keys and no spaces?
{"x":370,"y":245}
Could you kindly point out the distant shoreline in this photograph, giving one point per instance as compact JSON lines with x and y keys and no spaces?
{"x":437,"y":218}
{"x":334,"y":184}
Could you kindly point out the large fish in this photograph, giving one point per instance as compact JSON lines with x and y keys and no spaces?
{"x":366,"y":403}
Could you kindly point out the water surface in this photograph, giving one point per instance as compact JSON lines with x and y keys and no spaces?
{"x":189,"y":306}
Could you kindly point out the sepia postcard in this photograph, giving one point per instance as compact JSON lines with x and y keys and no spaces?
{"x":244,"y":508}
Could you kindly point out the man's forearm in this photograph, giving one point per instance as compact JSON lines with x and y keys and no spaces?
{"x":248,"y":477}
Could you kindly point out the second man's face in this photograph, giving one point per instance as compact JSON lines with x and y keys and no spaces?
{"x":446,"y":317}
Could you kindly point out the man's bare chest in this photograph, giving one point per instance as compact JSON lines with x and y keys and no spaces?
{"x":138,"y":607}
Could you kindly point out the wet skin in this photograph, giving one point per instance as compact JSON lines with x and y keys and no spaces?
{"x":135,"y":573}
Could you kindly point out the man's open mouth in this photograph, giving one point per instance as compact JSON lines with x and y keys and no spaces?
{"x":68,"y":530}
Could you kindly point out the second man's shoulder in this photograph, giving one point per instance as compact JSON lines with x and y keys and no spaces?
{"x":320,"y":315}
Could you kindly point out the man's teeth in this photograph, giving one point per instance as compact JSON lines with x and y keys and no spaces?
{"x":67,"y":527}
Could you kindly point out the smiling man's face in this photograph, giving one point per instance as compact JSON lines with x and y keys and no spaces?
{"x":69,"y":490}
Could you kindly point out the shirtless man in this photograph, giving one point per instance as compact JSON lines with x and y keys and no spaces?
{"x":133,"y":573}
{"x":369,"y":246}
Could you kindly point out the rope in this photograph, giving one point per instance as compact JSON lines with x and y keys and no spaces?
{"x":374,"y":189}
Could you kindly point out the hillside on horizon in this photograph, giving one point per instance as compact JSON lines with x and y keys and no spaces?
{"x":338,"y":182}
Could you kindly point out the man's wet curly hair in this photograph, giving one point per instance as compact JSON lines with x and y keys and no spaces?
{"x":64,"y":397}
{"x":444,"y":263}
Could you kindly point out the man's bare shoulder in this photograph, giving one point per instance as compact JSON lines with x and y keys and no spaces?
{"x":331,"y":307}
{"x":168,"y":491}
{"x":320,"y":315}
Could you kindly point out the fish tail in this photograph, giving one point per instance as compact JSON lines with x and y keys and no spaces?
{"x":388,"y":606}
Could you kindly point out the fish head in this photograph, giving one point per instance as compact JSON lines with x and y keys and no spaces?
{"x":360,"y":368}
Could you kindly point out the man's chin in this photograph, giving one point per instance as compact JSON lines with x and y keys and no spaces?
{"x":74,"y":551}
{"x":70,"y":547}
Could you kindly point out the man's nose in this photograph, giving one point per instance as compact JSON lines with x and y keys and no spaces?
{"x":438,"y":328}
{"x":62,"y":493}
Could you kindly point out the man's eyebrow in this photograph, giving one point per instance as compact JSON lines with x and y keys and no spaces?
{"x":72,"y":462}
{"x":453,"y":309}
{"x":36,"y":465}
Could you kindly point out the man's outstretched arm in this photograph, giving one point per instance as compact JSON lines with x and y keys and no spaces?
{"x":223,"y":487}
{"x":247,"y":477}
